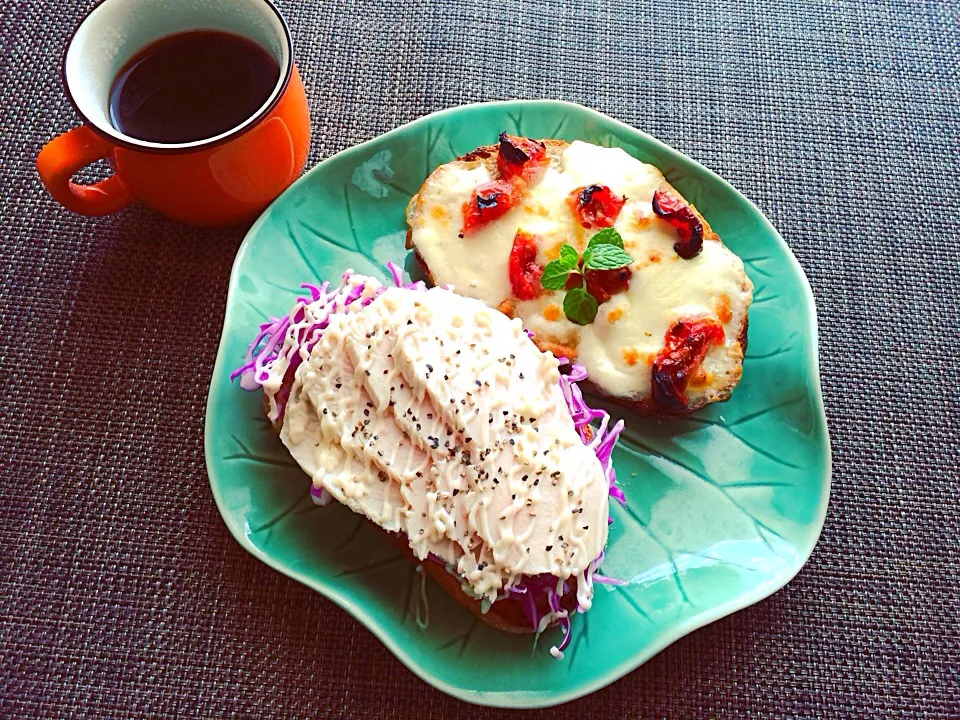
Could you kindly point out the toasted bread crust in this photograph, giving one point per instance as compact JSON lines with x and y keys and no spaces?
{"x":486,"y":155}
{"x":504,"y":615}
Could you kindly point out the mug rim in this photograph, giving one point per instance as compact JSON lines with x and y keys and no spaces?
{"x":131,"y":143}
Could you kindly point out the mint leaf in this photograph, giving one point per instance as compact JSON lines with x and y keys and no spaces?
{"x":555,"y":275}
{"x":579,"y":306}
{"x":607,"y":236}
{"x":605,"y":257}
{"x":568,"y":256}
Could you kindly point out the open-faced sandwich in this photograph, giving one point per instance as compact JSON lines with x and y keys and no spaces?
{"x":599,"y":257}
{"x":438,"y":419}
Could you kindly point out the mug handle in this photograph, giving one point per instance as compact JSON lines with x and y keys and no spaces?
{"x":63,"y":156}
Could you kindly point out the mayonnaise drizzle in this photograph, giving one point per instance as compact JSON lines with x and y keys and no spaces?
{"x":436,"y":416}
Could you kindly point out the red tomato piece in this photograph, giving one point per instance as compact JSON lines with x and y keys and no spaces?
{"x":489,"y":201}
{"x":683,"y":220}
{"x":520,"y":157}
{"x":604,"y":284}
{"x":685,"y":345}
{"x":523,"y":268}
{"x":596,"y":206}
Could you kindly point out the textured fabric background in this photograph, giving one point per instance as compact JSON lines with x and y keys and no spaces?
{"x":122,"y":593}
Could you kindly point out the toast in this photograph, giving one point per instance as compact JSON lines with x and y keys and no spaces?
{"x":365,"y":414}
{"x":713,"y":285}
{"x":506,"y":615}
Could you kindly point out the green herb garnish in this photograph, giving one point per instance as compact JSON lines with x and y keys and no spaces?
{"x":604,"y":252}
{"x":580,"y":306}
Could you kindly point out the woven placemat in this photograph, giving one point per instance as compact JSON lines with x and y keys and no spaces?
{"x":121,"y":592}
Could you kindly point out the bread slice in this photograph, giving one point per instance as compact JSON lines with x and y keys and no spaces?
{"x":433,"y":247}
{"x":506,"y":615}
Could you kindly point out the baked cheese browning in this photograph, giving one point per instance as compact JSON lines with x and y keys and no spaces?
{"x":680,"y":271}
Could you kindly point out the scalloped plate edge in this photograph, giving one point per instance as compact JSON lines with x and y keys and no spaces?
{"x":522,"y":699}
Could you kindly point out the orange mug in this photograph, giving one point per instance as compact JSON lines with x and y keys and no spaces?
{"x":222,"y":180}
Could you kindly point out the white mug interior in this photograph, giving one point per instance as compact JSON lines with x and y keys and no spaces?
{"x":117,"y":29}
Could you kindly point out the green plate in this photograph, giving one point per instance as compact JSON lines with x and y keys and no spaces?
{"x":724,"y":507}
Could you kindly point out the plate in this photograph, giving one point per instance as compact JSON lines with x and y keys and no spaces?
{"x":723,"y":507}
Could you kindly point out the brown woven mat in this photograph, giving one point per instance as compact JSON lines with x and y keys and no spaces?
{"x":121,"y":592}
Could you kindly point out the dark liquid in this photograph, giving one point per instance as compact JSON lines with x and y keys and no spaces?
{"x":191,"y":86}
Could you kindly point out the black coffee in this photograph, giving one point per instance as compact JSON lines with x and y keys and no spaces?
{"x":191,"y":86}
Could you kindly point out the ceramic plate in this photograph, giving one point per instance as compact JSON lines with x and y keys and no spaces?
{"x":723,"y":507}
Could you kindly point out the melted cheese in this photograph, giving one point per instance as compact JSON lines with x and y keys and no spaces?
{"x":435,"y":416}
{"x":619,"y":346}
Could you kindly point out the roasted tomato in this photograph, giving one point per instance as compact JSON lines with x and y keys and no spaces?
{"x":488,"y":202}
{"x":602,"y":284}
{"x":523,"y":268}
{"x":518,"y":161}
{"x":520,"y":157}
{"x":683,"y":220}
{"x":685,"y":345}
{"x":596,"y":206}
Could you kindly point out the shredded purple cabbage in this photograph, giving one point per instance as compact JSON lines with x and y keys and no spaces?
{"x":268,"y":345}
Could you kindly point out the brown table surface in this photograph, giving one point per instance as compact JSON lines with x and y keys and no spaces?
{"x":121,"y":592}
